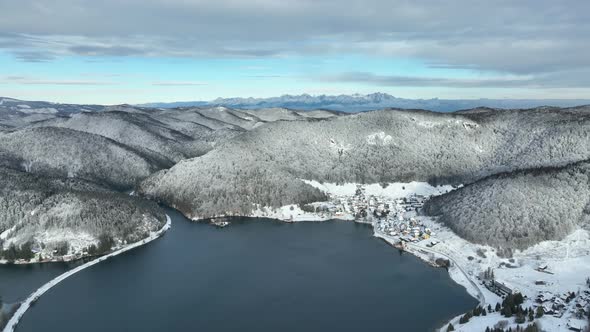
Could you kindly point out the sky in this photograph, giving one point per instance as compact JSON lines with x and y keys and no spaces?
{"x":138,"y":51}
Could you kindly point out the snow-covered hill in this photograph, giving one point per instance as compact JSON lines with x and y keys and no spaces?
{"x":263,"y":166}
{"x":519,"y":209}
{"x":67,"y":153}
{"x":48,"y":214}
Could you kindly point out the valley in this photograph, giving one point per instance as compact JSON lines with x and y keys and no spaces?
{"x":480,"y":192}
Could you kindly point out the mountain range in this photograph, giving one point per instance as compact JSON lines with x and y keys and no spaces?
{"x":67,"y":167}
{"x":358,"y":102}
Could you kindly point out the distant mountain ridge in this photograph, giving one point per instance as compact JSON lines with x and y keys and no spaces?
{"x":358,"y":103}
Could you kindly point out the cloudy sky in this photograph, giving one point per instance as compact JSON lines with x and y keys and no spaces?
{"x":116,"y":51}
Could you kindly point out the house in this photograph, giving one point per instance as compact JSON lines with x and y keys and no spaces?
{"x":582,"y":304}
{"x":544,"y":297}
{"x":432,"y":244}
{"x":499,"y":288}
{"x":558,"y":304}
{"x":36,"y":248}
{"x":548,"y":309}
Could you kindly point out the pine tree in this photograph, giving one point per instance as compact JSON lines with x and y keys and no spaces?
{"x":540,"y":312}
{"x":465,"y":318}
{"x":450,"y":327}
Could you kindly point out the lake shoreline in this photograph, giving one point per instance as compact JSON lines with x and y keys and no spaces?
{"x":35,"y":295}
{"x":31,"y":299}
{"x":182,"y":234}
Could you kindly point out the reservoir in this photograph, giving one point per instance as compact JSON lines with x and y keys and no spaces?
{"x":255,"y":275}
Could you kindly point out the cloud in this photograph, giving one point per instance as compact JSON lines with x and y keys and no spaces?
{"x":264,"y":76}
{"x":33,"y":56}
{"x":552,"y":80}
{"x":94,"y":50}
{"x":35,"y":81}
{"x":528,"y":37}
{"x":176,"y":83}
{"x":15,"y":78}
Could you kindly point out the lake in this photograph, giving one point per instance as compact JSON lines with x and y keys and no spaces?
{"x":255,"y":275}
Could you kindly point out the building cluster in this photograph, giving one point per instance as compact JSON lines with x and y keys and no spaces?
{"x":577,"y":304}
{"x":407,"y":230}
{"x":389,"y":216}
{"x":560,"y":304}
{"x":51,"y":256}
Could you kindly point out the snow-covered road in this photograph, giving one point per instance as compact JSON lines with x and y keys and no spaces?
{"x":412,"y":248}
{"x":480,"y":297}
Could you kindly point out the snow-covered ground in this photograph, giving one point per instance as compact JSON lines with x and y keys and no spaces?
{"x":293,"y":213}
{"x":391,"y":190}
{"x":11,"y":325}
{"x":567,"y":261}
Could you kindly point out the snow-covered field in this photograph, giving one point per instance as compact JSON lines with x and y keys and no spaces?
{"x":567,"y":261}
{"x":391,"y":190}
{"x":292,"y":213}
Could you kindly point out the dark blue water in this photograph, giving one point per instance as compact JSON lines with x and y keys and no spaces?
{"x":18,"y":281}
{"x":256,"y":275}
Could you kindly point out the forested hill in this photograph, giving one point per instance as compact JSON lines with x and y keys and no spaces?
{"x":519,"y":209}
{"x":119,"y":145}
{"x":139,"y":131}
{"x":60,"y":152}
{"x":265,"y":165}
{"x":68,"y":215}
{"x":210,"y":161}
{"x":63,"y":167}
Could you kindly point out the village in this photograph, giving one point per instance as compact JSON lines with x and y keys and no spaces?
{"x":394,"y":217}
